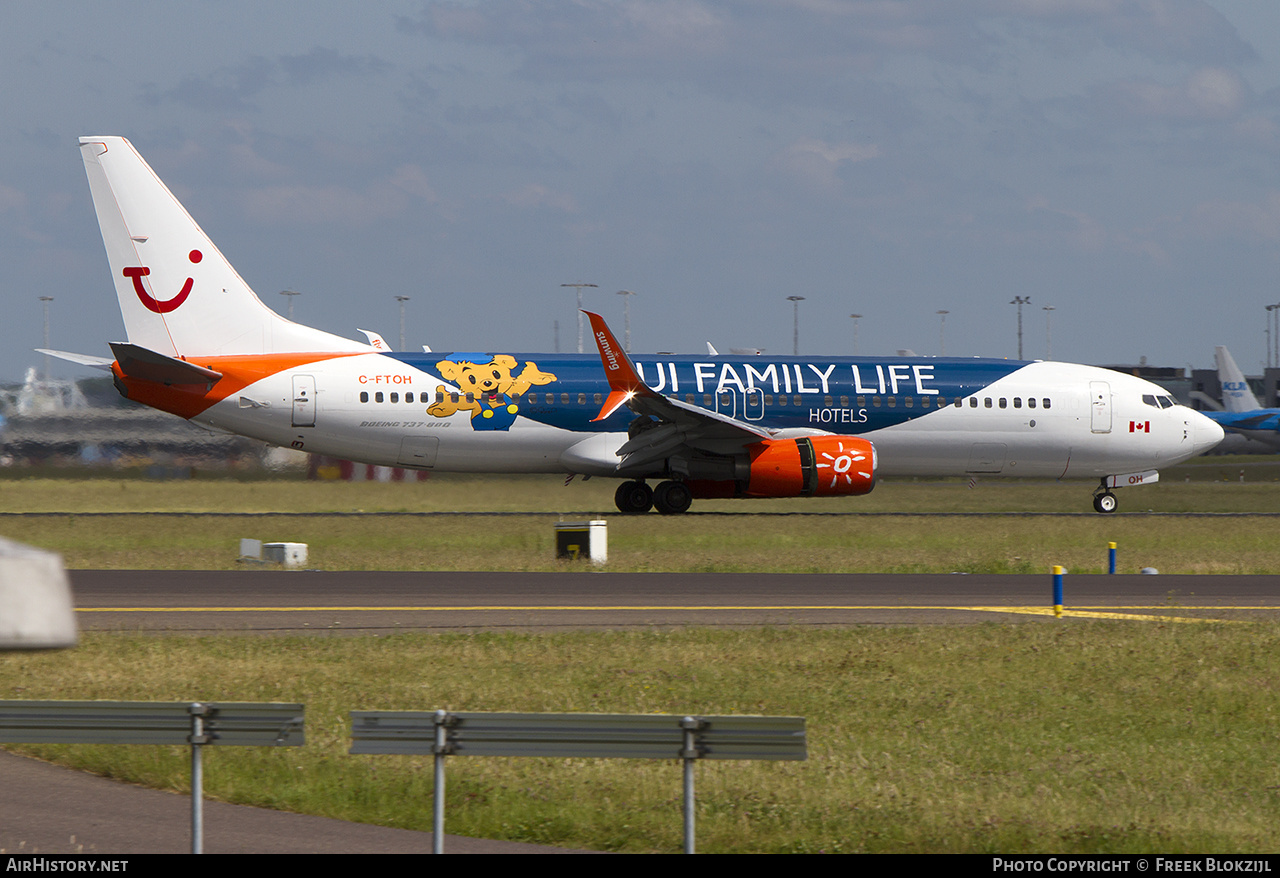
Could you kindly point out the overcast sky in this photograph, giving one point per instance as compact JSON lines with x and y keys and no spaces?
{"x":1114,"y":159}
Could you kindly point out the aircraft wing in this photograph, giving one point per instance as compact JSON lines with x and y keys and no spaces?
{"x":678,"y":426}
{"x":103,"y":363}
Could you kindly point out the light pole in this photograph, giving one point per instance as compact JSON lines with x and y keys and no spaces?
{"x":1273,"y":335}
{"x":942,"y":333}
{"x":626,"y":310}
{"x":1270,"y":318}
{"x":289,"y":294}
{"x":856,"y":318}
{"x":1048,"y":331}
{"x":1020,"y":301}
{"x":45,"y":300}
{"x":579,"y":287}
{"x":795,"y":327}
{"x":402,"y":300}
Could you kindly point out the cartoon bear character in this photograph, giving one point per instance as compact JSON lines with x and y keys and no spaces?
{"x":485,"y":389}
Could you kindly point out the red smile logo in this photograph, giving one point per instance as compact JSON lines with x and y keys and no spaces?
{"x":151,"y":302}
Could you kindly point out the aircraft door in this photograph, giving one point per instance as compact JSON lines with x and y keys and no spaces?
{"x":749,"y":405}
{"x":987,"y":457}
{"x":418,"y":451}
{"x":304,"y":401}
{"x":1100,"y":406}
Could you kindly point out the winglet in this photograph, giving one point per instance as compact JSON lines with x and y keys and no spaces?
{"x":624,"y":381}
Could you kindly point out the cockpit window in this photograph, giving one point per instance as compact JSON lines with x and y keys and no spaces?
{"x":1161,"y":401}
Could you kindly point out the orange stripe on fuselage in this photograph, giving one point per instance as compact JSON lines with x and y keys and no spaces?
{"x":238,"y":372}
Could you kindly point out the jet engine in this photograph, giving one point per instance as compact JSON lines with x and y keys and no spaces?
{"x":811,"y":466}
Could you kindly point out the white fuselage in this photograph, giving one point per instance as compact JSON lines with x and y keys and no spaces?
{"x":1045,"y":420}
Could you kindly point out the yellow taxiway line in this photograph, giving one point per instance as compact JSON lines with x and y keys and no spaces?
{"x":1098,"y":613}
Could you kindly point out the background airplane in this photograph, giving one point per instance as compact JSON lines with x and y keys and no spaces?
{"x":1243,"y":413}
{"x":202,"y":345}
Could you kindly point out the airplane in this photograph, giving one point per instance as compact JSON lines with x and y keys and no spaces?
{"x":1244,"y":414}
{"x":203,"y":346}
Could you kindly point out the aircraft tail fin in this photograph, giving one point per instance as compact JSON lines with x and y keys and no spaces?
{"x":178,"y":295}
{"x":1236,"y":395}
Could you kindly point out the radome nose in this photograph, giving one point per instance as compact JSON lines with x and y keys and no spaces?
{"x":1205,"y":433}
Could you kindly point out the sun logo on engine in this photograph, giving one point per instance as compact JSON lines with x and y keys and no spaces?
{"x":841,"y":464}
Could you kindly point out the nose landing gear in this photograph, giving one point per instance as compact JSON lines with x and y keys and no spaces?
{"x":1104,"y":501}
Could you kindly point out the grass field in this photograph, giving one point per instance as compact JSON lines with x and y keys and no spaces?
{"x":1067,"y":737}
{"x":108,"y":523}
{"x":1054,"y":737}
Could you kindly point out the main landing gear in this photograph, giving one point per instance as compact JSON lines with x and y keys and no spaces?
{"x":670,"y":497}
{"x":1103,"y":500}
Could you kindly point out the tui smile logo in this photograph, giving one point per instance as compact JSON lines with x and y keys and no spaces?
{"x":150,"y":302}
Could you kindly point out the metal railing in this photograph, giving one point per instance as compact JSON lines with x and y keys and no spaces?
{"x":599,"y":736}
{"x":199,"y":724}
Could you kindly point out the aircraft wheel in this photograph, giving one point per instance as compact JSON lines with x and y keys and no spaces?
{"x":1105,"y":502}
{"x":633,"y":498}
{"x":672,"y":498}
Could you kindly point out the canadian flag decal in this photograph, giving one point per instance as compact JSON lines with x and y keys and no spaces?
{"x":1139,"y":426}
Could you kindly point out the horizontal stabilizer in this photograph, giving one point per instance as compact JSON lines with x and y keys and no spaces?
{"x":145,"y":365}
{"x":103,"y":363}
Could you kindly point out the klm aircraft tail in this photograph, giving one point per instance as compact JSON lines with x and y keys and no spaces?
{"x":1236,"y":395}
{"x":178,"y":295}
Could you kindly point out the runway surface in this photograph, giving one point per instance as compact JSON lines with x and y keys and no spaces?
{"x":297,"y":601}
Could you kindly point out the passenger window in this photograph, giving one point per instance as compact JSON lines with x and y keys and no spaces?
{"x":987,"y":402}
{"x":893,"y":402}
{"x":598,"y":399}
{"x":1004,"y":403}
{"x":768,"y":399}
{"x":395,"y":397}
{"x":453,"y":397}
{"x":1031,"y":403}
{"x":1045,"y":402}
{"x":564,"y":399}
{"x":844,"y":402}
{"x":364,"y":396}
{"x":875,"y":401}
{"x":782,"y":400}
{"x":377,"y":397}
{"x":862,"y":402}
{"x":1017,"y":402}
{"x":408,"y":397}
{"x":796,"y":399}
{"x":907,"y":401}
{"x":973,"y":402}
{"x":959,"y":402}
{"x":551,"y":399}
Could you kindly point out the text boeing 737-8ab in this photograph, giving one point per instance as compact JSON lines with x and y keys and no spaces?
{"x":203,"y":346}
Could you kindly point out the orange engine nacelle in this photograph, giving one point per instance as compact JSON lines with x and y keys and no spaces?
{"x":814,"y":466}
